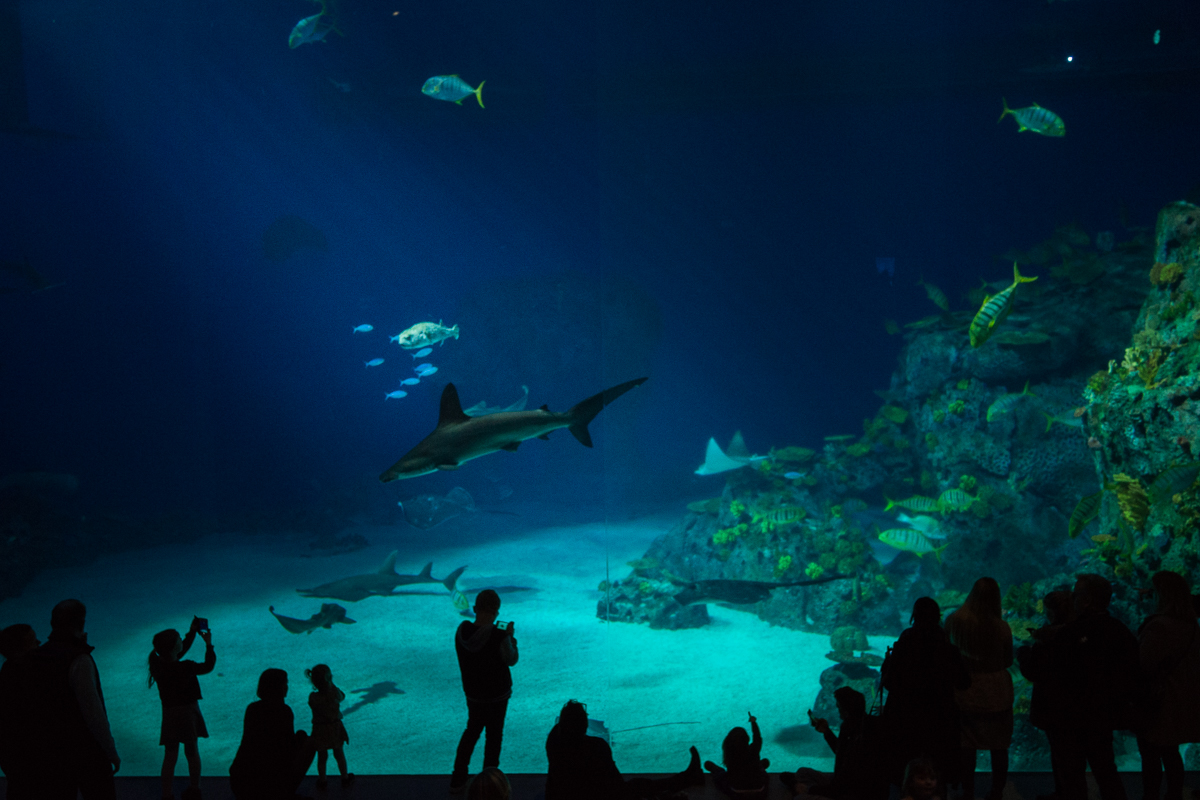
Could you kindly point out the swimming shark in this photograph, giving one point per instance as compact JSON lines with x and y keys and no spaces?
{"x":329,"y":614}
{"x":738,"y":593}
{"x":380,"y":583}
{"x":735,"y":456}
{"x":458,"y":438}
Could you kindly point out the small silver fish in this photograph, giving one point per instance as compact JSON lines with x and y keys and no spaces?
{"x":410,"y":381}
{"x":452,"y":88}
{"x":363,"y":329}
{"x":374,"y":362}
{"x":310,"y":29}
{"x":396,"y":395}
{"x":419,"y":368}
{"x":791,"y":476}
{"x":425,"y":373}
{"x":424,"y":351}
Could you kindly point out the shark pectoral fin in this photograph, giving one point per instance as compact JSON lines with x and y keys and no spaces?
{"x":347,"y":620}
{"x":511,"y":447}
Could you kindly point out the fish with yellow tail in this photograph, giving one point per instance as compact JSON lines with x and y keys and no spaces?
{"x":911,"y":541}
{"x":995,"y":308}
{"x":935,"y":295}
{"x":1035,"y":118}
{"x":451,"y":88}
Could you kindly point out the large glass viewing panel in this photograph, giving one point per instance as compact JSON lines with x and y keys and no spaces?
{"x":247,"y":249}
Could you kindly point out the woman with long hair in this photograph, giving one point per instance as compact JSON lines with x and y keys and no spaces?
{"x":1169,"y":652}
{"x":985,"y":708}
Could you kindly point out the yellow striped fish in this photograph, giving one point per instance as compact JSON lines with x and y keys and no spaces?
{"x":915,"y":503}
{"x":995,"y":308}
{"x":955,"y":500}
{"x":911,"y":541}
{"x":936,"y":295}
{"x":1035,"y":118}
{"x":1007,"y":402}
{"x":785,"y":515}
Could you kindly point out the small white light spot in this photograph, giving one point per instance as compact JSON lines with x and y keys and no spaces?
{"x":1070,"y":59}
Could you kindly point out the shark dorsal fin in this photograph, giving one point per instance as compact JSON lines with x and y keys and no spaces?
{"x":737,"y":447}
{"x":544,"y":408}
{"x":451,"y":411}
{"x":389,"y":564}
{"x":427,"y":572}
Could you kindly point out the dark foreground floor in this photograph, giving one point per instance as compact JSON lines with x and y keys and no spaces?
{"x":1021,"y":786}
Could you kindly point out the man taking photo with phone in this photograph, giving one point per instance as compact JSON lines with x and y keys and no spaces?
{"x":486,"y":649}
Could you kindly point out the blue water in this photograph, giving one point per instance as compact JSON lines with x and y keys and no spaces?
{"x":697,"y":192}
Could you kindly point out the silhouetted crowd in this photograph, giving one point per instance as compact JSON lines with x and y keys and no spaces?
{"x":949,"y":694}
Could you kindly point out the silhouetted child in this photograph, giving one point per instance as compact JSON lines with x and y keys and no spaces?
{"x":328,"y":732}
{"x":745,"y":772}
{"x":921,"y":781}
{"x":179,"y":691}
{"x":491,"y":784}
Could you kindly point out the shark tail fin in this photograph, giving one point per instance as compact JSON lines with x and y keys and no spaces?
{"x":389,"y":564}
{"x":451,"y":581}
{"x":585,"y":411}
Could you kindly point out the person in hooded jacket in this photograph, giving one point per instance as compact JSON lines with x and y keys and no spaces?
{"x":486,"y":650}
{"x":1169,"y":654}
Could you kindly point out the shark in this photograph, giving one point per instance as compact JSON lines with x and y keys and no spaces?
{"x":379,"y":583}
{"x":329,"y":614}
{"x":739,"y":593}
{"x":459,"y":438}
{"x":735,"y":456}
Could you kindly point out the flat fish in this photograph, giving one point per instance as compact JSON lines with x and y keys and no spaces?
{"x":430,"y":510}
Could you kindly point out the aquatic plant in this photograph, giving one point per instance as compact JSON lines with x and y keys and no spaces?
{"x":645,"y":587}
{"x":1165,"y":274}
{"x":894,"y":414}
{"x":783,"y":565}
{"x":1019,"y":600}
{"x":1098,"y":382}
{"x":737,"y":508}
{"x":858,"y":449}
{"x":814,"y":570}
{"x":967,"y":483}
{"x":728,"y":535}
{"x":939,"y":415}
{"x":1132,"y":499}
{"x":963,"y":385}
{"x":931,"y":441}
{"x":957,"y":407}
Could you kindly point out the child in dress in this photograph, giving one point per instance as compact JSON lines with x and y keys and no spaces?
{"x":328,"y":732}
{"x":179,"y":691}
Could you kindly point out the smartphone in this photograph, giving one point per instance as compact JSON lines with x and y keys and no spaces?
{"x":501,"y":626}
{"x":201,"y":623}
{"x":811,"y":718}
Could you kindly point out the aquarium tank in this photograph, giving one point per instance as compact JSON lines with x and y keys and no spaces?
{"x":709,"y":336}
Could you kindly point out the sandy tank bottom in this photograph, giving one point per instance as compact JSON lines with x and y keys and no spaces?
{"x":397,"y":664}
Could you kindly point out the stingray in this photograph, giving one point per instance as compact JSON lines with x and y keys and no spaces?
{"x":33,"y":279}
{"x":427,"y":511}
{"x":735,"y":456}
{"x":289,"y":233}
{"x":481,"y":408}
{"x":738,"y":592}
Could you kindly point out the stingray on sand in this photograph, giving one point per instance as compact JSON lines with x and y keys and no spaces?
{"x":290,"y":233}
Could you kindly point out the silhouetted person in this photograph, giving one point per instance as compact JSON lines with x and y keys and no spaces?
{"x":272,"y":757}
{"x":1095,"y":661}
{"x":179,"y":692}
{"x":858,"y":752}
{"x":77,"y":754}
{"x":491,"y":784}
{"x":921,"y":672}
{"x":17,"y":711}
{"x":985,"y":708}
{"x":1169,"y":651}
{"x":582,"y":766}
{"x":485,"y":653}
{"x":1047,"y":702}
{"x":328,"y":731}
{"x":745,"y":772}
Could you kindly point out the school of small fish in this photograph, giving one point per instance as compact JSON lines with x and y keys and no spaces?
{"x":418,"y":337}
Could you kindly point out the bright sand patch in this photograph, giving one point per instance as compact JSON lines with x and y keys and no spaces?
{"x":629,"y":675}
